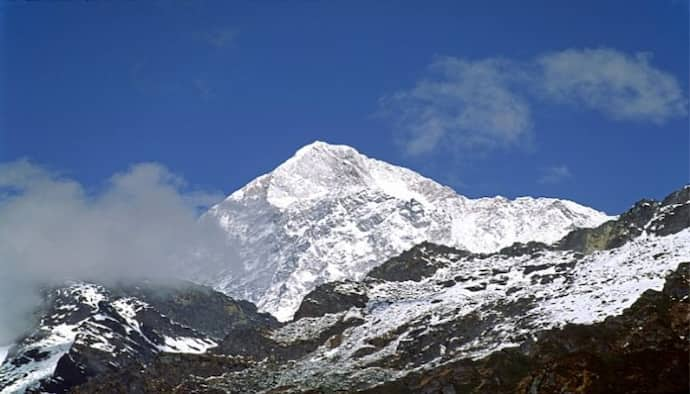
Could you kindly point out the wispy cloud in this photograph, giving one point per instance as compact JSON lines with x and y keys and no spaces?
{"x":469,"y":104}
{"x":144,"y":223}
{"x":625,"y":87}
{"x":219,"y":37}
{"x":555,"y":174}
{"x":203,"y":88}
{"x":479,"y":106}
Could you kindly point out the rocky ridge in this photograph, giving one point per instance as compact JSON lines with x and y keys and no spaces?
{"x":531,"y":318}
{"x":86,"y":329}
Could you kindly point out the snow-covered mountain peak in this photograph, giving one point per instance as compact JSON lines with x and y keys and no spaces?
{"x":320,"y":170}
{"x":331,"y":213}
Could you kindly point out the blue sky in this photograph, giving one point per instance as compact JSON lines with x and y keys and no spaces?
{"x":583,"y":100}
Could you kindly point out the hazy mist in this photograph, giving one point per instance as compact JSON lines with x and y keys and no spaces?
{"x":140,"y":223}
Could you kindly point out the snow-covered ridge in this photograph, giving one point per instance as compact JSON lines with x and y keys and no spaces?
{"x":86,"y":315}
{"x":474,"y":306}
{"x":331,"y":213}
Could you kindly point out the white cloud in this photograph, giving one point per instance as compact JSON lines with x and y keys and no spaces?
{"x":467,"y":104}
{"x":144,"y":223}
{"x":625,"y":87}
{"x":478,"y":106}
{"x":555,"y":174}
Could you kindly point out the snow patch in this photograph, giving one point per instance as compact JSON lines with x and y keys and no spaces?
{"x":186,"y":345}
{"x":3,"y":352}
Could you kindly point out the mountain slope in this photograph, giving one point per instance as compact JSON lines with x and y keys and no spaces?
{"x":644,"y":350}
{"x":330,"y":213}
{"x":530,"y":318}
{"x":87,"y":329}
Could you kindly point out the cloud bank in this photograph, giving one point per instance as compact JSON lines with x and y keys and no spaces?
{"x":143,"y":224}
{"x":479,"y":106}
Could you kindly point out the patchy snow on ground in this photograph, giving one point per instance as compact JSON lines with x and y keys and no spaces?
{"x":516,"y":296}
{"x":186,"y":345}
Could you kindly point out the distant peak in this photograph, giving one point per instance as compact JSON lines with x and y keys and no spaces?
{"x":320,"y":147}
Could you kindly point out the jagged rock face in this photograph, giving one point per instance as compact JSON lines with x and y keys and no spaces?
{"x":332,"y":297}
{"x":415,"y":264}
{"x":166,"y":374}
{"x":290,"y":344}
{"x":647,"y":216}
{"x":87,"y":330}
{"x":674,"y":214}
{"x":200,"y":307}
{"x":520,"y":249}
{"x":330,"y":213}
{"x":644,"y":350}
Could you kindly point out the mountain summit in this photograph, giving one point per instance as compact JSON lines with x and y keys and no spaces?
{"x":331,"y":213}
{"x":320,"y":170}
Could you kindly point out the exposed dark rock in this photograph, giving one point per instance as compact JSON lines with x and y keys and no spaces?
{"x":661,"y":218}
{"x":678,"y":197}
{"x":613,"y":233}
{"x":414,"y":264}
{"x":424,"y":343}
{"x":566,"y":266}
{"x":644,"y":350}
{"x":182,"y":303}
{"x":498,"y":373}
{"x":257,"y":344}
{"x":528,"y":269}
{"x":501,"y":280}
{"x":332,"y":297}
{"x":447,"y":283}
{"x":674,"y":220}
{"x":520,"y":249}
{"x":251,"y":343}
{"x":513,"y":290}
{"x":542,"y":279}
{"x":107,"y":341}
{"x":164,"y":375}
{"x":677,"y":285}
{"x":479,"y":287}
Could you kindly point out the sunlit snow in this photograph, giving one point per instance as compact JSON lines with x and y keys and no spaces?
{"x":330,"y":213}
{"x":560,"y":287}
